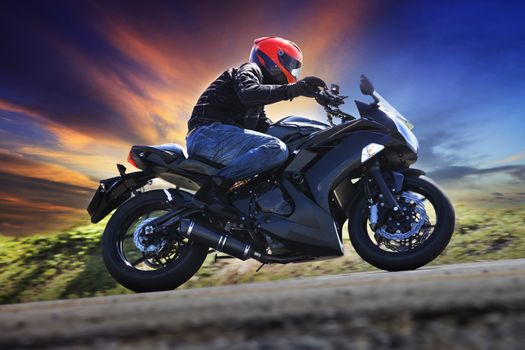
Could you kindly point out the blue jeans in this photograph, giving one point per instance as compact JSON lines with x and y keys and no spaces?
{"x":243,"y":152}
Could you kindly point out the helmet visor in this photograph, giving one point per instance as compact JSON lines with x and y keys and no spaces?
{"x":292,"y":65}
{"x":296,"y":73}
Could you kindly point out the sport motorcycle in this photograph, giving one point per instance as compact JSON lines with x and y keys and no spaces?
{"x":354,"y":170}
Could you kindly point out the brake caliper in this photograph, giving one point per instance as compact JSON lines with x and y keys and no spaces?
{"x":144,"y":240}
{"x":409,"y":223}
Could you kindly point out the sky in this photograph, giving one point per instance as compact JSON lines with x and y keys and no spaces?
{"x":82,"y":81}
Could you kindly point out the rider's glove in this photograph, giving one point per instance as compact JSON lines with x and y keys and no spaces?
{"x":308,"y":87}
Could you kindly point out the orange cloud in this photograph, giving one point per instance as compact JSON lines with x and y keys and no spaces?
{"x":11,"y":107}
{"x":12,"y":201}
{"x":37,"y":197}
{"x":157,"y":112}
{"x":75,"y":154}
{"x":23,"y":218}
{"x":325,"y":32}
{"x":320,"y":32}
{"x":46,"y":171}
{"x":66,"y":137}
{"x":96,"y":165}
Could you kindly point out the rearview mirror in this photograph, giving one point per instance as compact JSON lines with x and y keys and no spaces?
{"x":366,"y":86}
{"x":334,"y":89}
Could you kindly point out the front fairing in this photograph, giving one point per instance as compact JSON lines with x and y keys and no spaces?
{"x":383,"y":112}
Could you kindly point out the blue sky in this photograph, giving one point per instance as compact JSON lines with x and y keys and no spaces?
{"x":455,"y":69}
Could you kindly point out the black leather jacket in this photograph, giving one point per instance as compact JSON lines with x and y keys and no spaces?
{"x":238,"y":97}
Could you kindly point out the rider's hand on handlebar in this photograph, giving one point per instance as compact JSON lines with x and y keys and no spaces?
{"x":323,"y":99}
{"x":330,"y":98}
{"x":314,"y":83}
{"x":308,"y":87}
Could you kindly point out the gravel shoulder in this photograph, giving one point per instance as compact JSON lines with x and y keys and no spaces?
{"x":476,"y":305}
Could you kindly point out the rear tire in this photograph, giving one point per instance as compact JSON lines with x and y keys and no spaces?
{"x":419,"y":256}
{"x":174,"y":274}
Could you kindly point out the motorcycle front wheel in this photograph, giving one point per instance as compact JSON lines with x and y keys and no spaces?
{"x":411,"y":240}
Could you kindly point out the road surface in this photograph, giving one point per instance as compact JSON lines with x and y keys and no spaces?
{"x":465,"y":306}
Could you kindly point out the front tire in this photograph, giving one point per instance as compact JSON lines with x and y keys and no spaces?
{"x":168,"y":277}
{"x":421,"y":255}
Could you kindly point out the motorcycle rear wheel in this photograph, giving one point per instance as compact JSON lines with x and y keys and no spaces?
{"x":147,"y":275}
{"x":369,"y":249}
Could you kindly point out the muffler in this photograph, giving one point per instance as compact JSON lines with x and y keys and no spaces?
{"x":218,"y":241}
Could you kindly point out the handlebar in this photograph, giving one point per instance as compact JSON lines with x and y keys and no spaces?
{"x":331,"y":100}
{"x":328,"y":99}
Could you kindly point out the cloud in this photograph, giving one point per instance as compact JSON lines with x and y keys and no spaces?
{"x":73,"y":139}
{"x":92,"y":165}
{"x":38,"y":196}
{"x":518,"y":172}
{"x":458,"y":172}
{"x":21,"y":166}
{"x":30,"y":205}
{"x":512,"y":158}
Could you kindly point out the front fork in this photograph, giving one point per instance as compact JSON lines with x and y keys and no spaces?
{"x":387,"y":200}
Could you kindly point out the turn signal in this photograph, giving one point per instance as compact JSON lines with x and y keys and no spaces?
{"x":370,"y":151}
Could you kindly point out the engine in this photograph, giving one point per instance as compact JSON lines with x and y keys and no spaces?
{"x":269,"y":197}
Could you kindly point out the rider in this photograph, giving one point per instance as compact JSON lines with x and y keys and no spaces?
{"x":228,"y":122}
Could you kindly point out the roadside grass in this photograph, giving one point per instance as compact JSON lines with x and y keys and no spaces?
{"x":69,"y":264}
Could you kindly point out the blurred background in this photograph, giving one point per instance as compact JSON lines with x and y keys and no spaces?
{"x":80,"y":82}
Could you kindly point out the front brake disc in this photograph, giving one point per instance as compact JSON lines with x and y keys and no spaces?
{"x":418,"y":214}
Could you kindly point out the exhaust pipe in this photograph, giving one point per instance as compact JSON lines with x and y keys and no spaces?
{"x":220,"y":242}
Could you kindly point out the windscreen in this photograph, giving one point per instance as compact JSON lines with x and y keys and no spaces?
{"x":402,"y":124}
{"x":391,"y":111}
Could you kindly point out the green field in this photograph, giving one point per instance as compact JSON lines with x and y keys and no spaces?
{"x":69,"y":265}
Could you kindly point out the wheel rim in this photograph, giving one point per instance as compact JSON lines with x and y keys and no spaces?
{"x":391,"y":235}
{"x":134,"y":258}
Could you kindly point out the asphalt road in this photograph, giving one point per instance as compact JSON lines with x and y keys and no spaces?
{"x":466,"y":306}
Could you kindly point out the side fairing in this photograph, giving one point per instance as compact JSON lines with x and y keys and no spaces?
{"x":309,"y":229}
{"x":331,"y":155}
{"x":341,"y":161}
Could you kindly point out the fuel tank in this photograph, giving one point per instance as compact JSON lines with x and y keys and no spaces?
{"x":295,"y":130}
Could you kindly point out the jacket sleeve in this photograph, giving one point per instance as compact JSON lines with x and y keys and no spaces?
{"x":252,"y":92}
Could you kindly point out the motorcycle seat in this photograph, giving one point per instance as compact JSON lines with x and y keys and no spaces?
{"x":171,"y":147}
{"x":168,"y":152}
{"x":200,"y":165}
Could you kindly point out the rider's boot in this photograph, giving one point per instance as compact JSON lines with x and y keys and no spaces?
{"x":214,"y":195}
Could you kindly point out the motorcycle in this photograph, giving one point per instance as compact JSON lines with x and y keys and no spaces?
{"x":355,"y":169}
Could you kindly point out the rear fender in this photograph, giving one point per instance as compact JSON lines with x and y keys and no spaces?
{"x":114,"y":191}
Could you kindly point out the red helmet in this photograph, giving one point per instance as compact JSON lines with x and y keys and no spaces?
{"x":279,"y":58}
